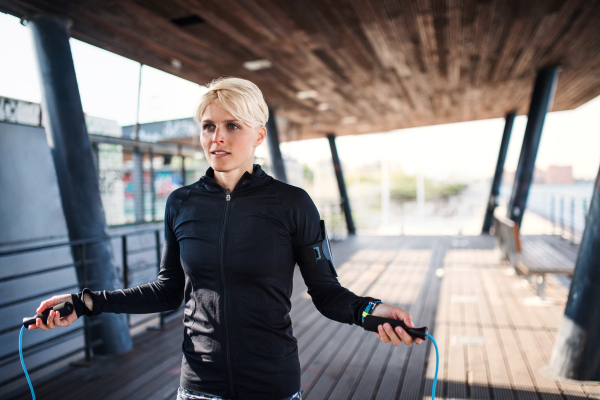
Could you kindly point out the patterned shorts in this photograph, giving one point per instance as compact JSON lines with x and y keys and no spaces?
{"x":183,"y":394}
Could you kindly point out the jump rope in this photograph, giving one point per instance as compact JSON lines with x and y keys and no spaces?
{"x":370,"y":324}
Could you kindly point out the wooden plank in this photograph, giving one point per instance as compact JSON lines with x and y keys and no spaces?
{"x":318,"y":386}
{"x":457,"y":371}
{"x":333,"y":342}
{"x":477,"y":372}
{"x":526,"y":326}
{"x":395,"y":368}
{"x":474,"y":298}
{"x":520,"y":377}
{"x":409,"y":268}
{"x":424,"y":314}
{"x":315,"y":360}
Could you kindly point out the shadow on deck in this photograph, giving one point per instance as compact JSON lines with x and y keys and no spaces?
{"x":493,"y":339}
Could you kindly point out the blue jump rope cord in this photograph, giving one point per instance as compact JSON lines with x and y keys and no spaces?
{"x":437,"y":365}
{"x":23,"y":362}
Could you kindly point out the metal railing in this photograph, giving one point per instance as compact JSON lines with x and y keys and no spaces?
{"x":567,"y":213}
{"x":332,"y":212}
{"x":81,"y":267}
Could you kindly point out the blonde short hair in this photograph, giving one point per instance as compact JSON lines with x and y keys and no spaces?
{"x":240,"y":97}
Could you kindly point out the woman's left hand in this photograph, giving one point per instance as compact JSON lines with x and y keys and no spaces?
{"x":386,"y":333}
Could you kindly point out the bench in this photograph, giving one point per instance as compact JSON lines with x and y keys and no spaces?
{"x":532,"y":257}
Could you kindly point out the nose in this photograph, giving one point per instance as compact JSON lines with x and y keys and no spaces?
{"x":218,"y":137}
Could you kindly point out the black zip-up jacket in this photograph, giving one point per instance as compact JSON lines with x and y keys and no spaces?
{"x":230,"y":258}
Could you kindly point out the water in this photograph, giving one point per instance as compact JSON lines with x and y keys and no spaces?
{"x":565,"y":205}
{"x":578,"y":189}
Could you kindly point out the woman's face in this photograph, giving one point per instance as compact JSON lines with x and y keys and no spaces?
{"x":228,"y":143}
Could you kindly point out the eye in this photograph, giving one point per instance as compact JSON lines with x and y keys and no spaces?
{"x":233,"y":126}
{"x":208,"y":127}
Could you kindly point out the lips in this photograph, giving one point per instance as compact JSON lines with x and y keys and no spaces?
{"x":219,"y":153}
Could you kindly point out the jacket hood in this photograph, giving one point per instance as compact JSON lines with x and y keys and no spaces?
{"x":248,"y":181}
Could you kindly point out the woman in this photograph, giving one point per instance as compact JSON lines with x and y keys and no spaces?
{"x":232,"y":241}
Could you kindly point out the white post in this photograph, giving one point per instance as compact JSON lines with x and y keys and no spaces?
{"x":385,"y":193}
{"x":420,"y":194}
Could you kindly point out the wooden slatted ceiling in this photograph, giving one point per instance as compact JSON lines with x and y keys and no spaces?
{"x":389,"y":63}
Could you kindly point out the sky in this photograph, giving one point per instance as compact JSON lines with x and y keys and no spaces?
{"x":469,"y":150}
{"x":108,"y":85}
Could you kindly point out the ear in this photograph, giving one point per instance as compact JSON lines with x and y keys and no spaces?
{"x":261,"y":135}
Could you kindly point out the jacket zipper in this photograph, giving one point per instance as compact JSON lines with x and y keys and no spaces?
{"x":222,"y":262}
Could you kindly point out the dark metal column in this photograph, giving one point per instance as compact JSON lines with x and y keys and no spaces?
{"x":183,"y":171}
{"x":152,"y":188}
{"x":576,"y":353}
{"x":541,"y":101}
{"x":493,"y":202}
{"x":72,"y":155}
{"x":96,"y":155}
{"x":341,"y":184}
{"x":274,"y":150}
{"x":138,"y":184}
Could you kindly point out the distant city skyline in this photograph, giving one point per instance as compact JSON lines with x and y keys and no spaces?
{"x":108,"y":85}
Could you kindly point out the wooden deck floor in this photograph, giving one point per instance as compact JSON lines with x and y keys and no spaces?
{"x":493,"y":337}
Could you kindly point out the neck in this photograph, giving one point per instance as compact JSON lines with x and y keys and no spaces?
{"x":228,"y":179}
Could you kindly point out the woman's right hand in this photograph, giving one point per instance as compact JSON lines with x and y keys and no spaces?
{"x":54,"y":319}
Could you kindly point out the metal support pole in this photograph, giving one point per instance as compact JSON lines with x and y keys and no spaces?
{"x":341,"y":184}
{"x":183,"y":172}
{"x":74,"y":164}
{"x":138,"y":184}
{"x":572,"y":220}
{"x":576,"y":353}
{"x":493,"y":201}
{"x":274,"y":150}
{"x":96,"y":154}
{"x":553,"y":213}
{"x":157,"y":243}
{"x":125,"y":262}
{"x":125,"y":269}
{"x":541,"y":101}
{"x":87,"y":333}
{"x":152,"y":188}
{"x":562,"y":216}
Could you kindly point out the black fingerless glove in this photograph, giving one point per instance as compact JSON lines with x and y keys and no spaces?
{"x":79,"y":304}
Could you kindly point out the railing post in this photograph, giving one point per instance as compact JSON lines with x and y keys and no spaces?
{"x":157,"y":243}
{"x":183,"y":172}
{"x":572,"y":220}
{"x":138,"y":184}
{"x":87,"y":334}
{"x":125,"y":263}
{"x":562,"y":216}
{"x":125,"y":269}
{"x":553,"y":213}
{"x":152,"y":189}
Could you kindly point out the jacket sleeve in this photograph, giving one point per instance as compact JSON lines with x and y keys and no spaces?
{"x":165,"y":294}
{"x":331,"y":299}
